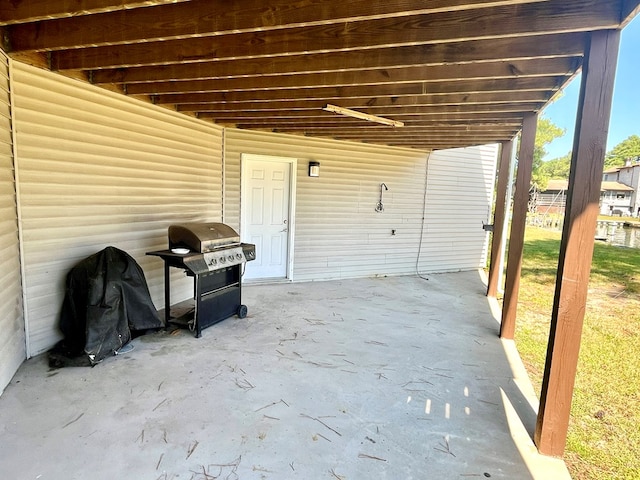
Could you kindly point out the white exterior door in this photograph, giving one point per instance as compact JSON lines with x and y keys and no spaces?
{"x":266,"y":214}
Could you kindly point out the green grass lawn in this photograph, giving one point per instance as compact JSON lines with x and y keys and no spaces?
{"x":604,"y":432}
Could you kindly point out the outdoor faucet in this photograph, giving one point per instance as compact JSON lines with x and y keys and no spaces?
{"x":380,"y":205}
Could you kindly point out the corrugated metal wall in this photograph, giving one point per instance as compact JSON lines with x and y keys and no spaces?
{"x":338,"y":233}
{"x":100,"y":169}
{"x":12,"y":340}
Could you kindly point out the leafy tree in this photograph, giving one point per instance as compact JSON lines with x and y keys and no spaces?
{"x":558,"y":168}
{"x":628,"y":149}
{"x":547,"y":132}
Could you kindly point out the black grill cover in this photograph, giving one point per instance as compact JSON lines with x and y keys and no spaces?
{"x":107,"y":302}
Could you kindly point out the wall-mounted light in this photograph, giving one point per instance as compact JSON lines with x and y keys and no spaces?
{"x":314,"y":169}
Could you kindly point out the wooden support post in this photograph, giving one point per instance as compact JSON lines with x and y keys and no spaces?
{"x":498,"y":218}
{"x":576,"y":248}
{"x":518,"y":223}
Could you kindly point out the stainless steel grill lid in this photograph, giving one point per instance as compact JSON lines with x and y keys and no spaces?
{"x":202,"y":237}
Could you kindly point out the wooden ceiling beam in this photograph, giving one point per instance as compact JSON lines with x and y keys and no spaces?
{"x":553,"y":16}
{"x":457,"y":72}
{"x":416,"y":127}
{"x":368,"y":91}
{"x":466,"y":72}
{"x":453,"y":121}
{"x":446,"y":143}
{"x":435,"y":146}
{"x":396,"y":114}
{"x":482,"y":98}
{"x":374,"y":102}
{"x":12,"y":12}
{"x":421,"y":139}
{"x":274,"y":122}
{"x":547,"y":46}
{"x":411,"y":129}
{"x":630,"y":8}
{"x":413,"y":132}
{"x":202,"y":18}
{"x":428,"y":146}
{"x":418,"y":139}
{"x":511,"y":121}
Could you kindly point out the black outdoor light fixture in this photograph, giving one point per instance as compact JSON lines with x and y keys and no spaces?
{"x":314,"y":169}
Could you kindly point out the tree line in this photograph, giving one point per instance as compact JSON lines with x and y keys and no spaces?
{"x":558,"y":168}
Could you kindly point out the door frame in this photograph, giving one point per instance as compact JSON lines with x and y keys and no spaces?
{"x":293,"y":169}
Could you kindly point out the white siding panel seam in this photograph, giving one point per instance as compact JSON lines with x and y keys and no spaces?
{"x":12,"y":329}
{"x":223,"y":182}
{"x":16,"y":174}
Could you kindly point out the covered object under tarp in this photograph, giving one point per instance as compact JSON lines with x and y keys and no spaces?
{"x":107,"y":303}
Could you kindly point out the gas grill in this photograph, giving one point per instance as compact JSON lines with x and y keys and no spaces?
{"x":212,"y":254}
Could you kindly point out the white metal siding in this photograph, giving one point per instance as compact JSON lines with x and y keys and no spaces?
{"x":338,"y":233}
{"x":100,"y":169}
{"x":459,"y":197}
{"x":12,"y":340}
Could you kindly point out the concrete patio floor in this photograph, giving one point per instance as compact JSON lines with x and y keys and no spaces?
{"x":386,"y":378}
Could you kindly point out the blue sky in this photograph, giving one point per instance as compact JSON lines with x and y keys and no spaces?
{"x":625,"y":114}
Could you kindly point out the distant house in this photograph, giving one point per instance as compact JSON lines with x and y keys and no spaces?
{"x":616,"y":198}
{"x":628,"y":175}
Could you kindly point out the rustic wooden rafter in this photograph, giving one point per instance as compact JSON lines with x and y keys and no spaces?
{"x":272,"y":65}
{"x":503,"y":85}
{"x":390,"y":103}
{"x":202,"y":18}
{"x":448,"y":27}
{"x":21,"y":12}
{"x":550,"y":67}
{"x":543,"y":46}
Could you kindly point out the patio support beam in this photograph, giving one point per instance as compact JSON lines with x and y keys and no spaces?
{"x":518,"y":223}
{"x":576,"y":248}
{"x":506,"y":150}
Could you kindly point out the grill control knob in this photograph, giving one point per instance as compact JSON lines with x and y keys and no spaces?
{"x":238,"y":256}
{"x":230,"y":257}
{"x":222,"y":259}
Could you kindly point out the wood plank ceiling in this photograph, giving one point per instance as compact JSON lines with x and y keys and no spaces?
{"x":456,"y":72}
